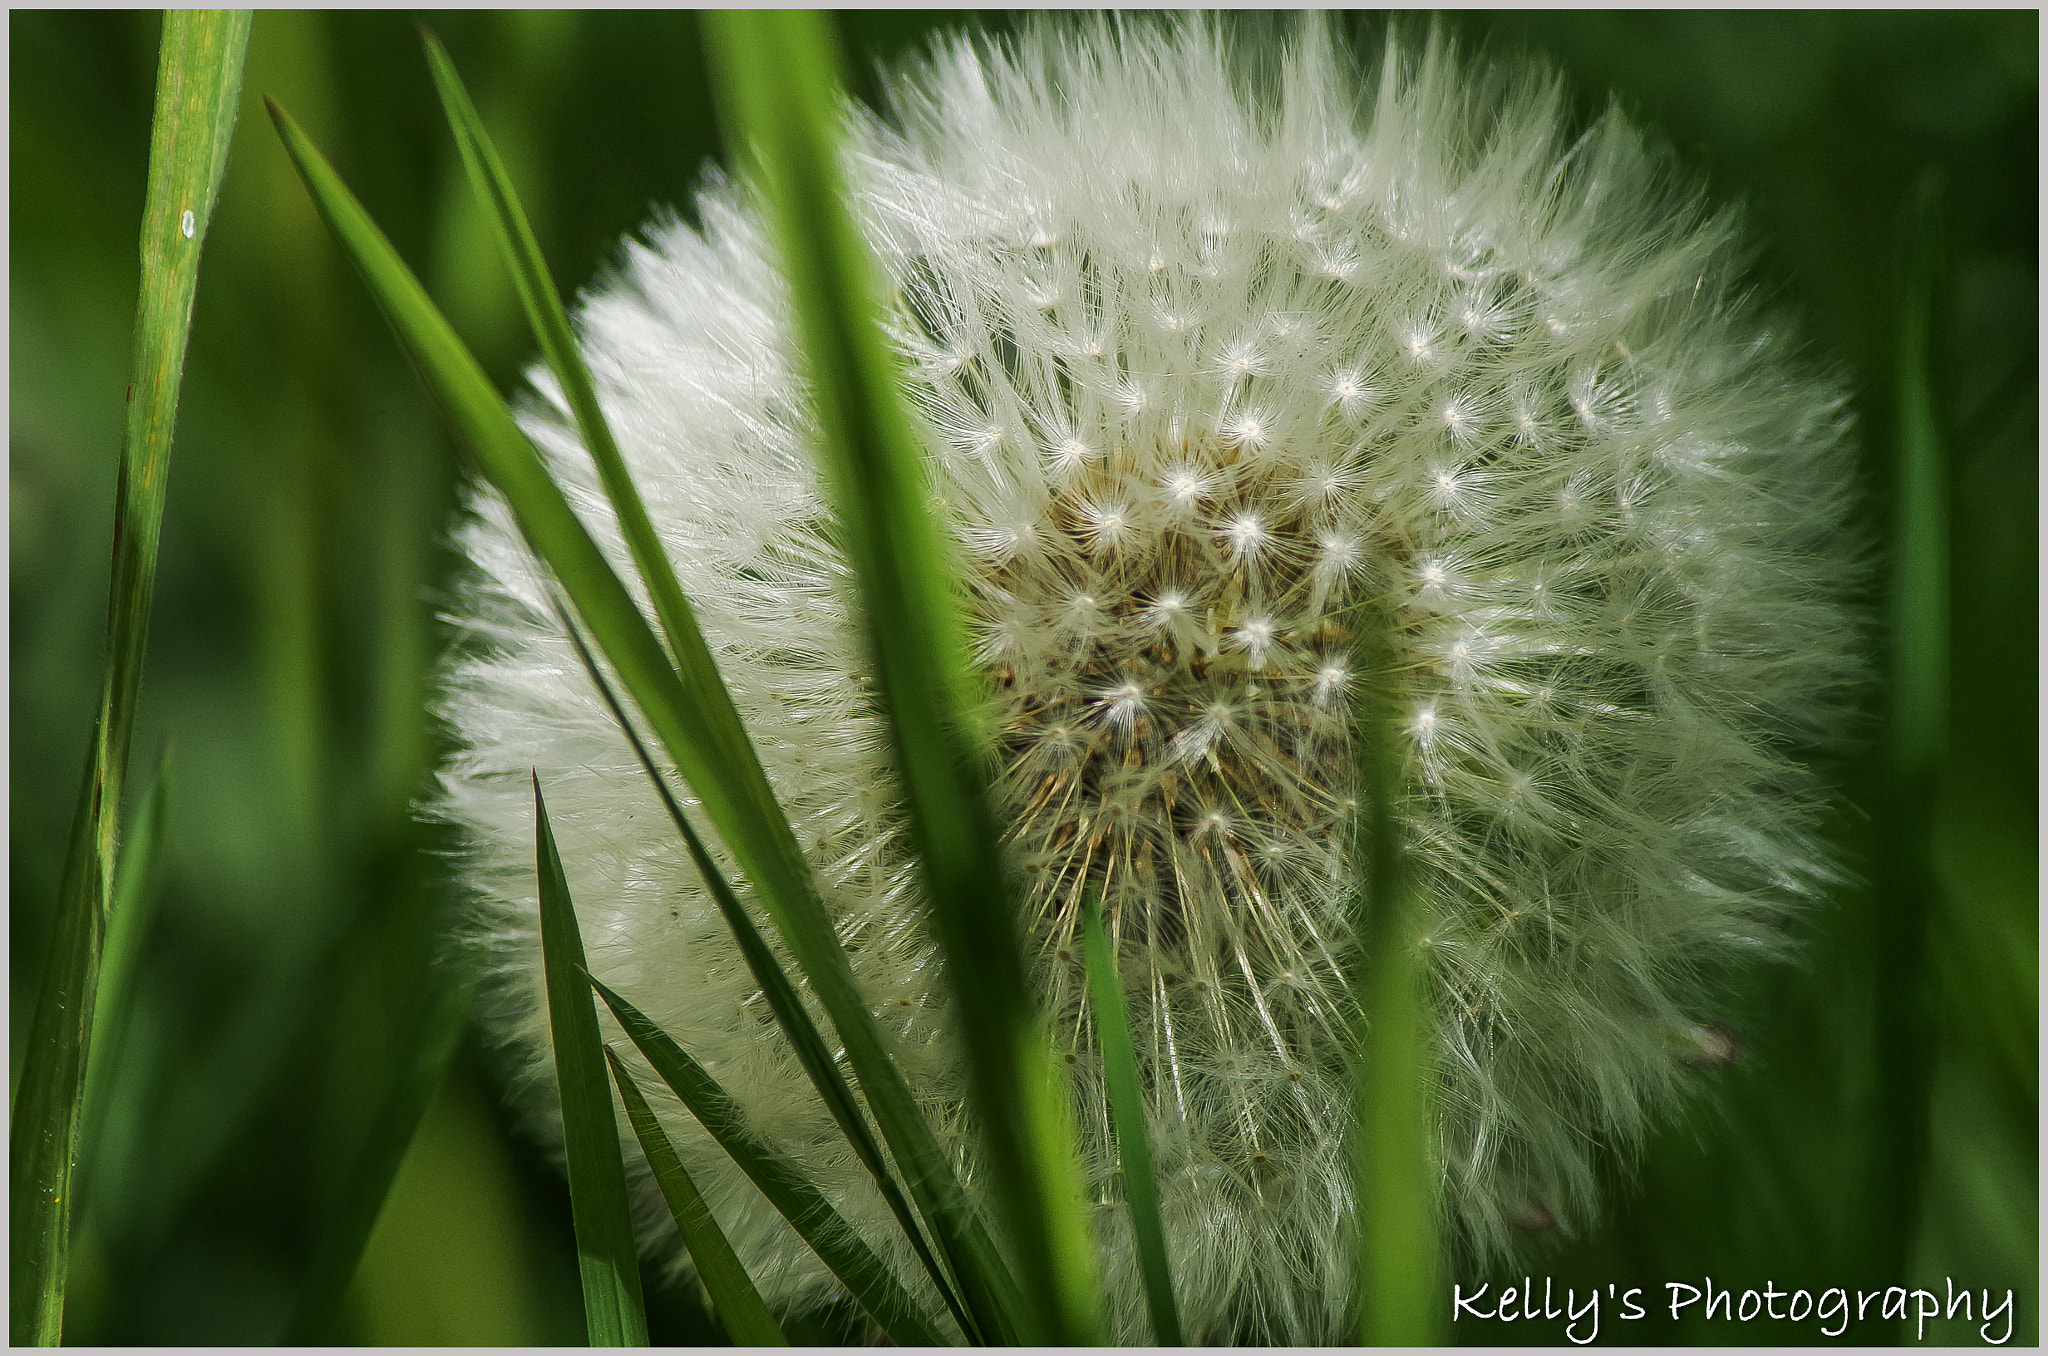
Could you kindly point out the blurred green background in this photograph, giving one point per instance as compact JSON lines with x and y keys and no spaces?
{"x":297,"y":910}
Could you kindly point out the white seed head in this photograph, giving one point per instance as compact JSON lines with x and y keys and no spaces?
{"x":1207,"y":364}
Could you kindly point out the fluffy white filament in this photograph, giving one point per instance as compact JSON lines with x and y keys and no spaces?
{"x":1208,"y":351}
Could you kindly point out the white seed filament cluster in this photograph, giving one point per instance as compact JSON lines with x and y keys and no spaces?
{"x":1209,"y":358}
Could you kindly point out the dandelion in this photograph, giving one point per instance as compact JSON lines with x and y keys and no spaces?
{"x":1209,"y":354}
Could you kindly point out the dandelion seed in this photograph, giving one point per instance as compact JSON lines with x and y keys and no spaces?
{"x":1185,"y":489}
{"x":1604,"y":516}
{"x":1246,"y":535}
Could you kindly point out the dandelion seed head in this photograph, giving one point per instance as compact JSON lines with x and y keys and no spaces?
{"x":1204,"y":370}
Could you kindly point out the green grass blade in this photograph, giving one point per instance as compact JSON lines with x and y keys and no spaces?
{"x":543,"y":303}
{"x":612,"y":1308}
{"x":1400,"y":1250}
{"x":740,"y":1308}
{"x":134,"y":901}
{"x":779,"y":87}
{"x":867,"y":1280}
{"x":340,"y":1249}
{"x":1133,"y":1136}
{"x":780,"y":994}
{"x":199,"y":75}
{"x":699,"y":728}
{"x":1914,"y":752}
{"x":1916,"y":730}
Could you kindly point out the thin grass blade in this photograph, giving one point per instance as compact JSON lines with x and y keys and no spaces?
{"x":740,"y":1308}
{"x":199,"y":75}
{"x":866,"y":1278}
{"x":699,"y":727}
{"x":543,"y":303}
{"x":1133,"y":1136}
{"x":775,"y":987}
{"x":134,"y":907}
{"x":1914,"y":750}
{"x":1400,"y":1250}
{"x":613,"y":1311}
{"x":780,"y":97}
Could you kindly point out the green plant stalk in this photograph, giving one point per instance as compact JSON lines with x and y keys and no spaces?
{"x":1915,"y":752}
{"x":1400,"y":1262}
{"x":780,"y":99}
{"x":1127,"y":1112}
{"x":700,"y":729}
{"x":740,"y":1308}
{"x":199,"y":75}
{"x":867,"y":1280}
{"x":613,"y":1311}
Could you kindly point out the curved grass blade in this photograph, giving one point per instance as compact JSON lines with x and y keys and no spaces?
{"x":199,"y":74}
{"x":699,"y":728}
{"x":740,"y":1308}
{"x":543,"y":303}
{"x":1400,"y":1262}
{"x":866,"y":1278}
{"x":610,"y":1268}
{"x":776,"y":989}
{"x":779,"y":89}
{"x":1127,"y":1113}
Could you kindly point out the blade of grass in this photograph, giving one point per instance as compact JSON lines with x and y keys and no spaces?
{"x":780,"y":98}
{"x":1400,"y":1261}
{"x":740,"y":1308}
{"x":543,"y":304}
{"x":341,"y":1245}
{"x":699,"y":728}
{"x":1133,"y":1136}
{"x":871,"y":1284}
{"x":775,"y":986}
{"x":1915,"y":751}
{"x":126,"y":926}
{"x":199,"y":74}
{"x":612,"y":1307}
